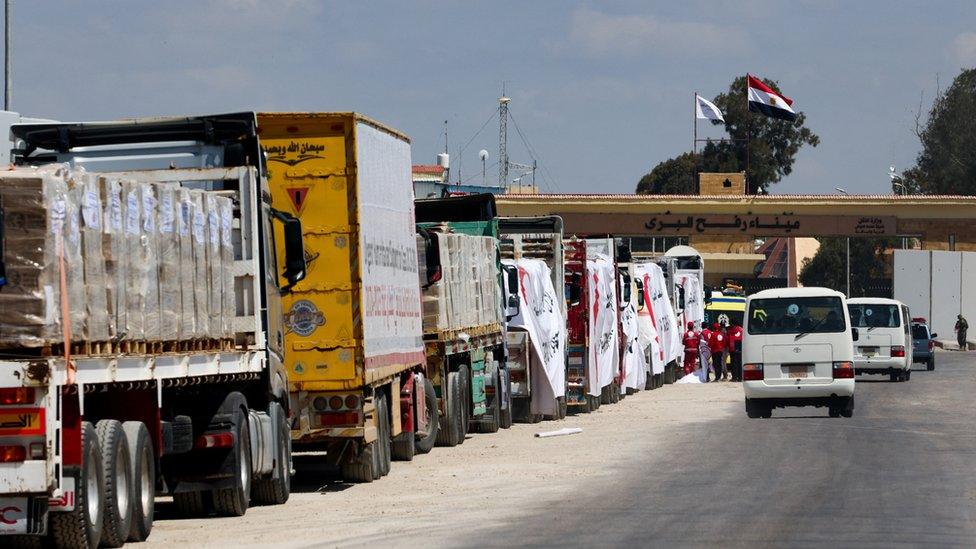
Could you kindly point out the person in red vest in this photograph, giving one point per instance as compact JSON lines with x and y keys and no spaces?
{"x":691,"y":348}
{"x":735,"y":351}
{"x":718,"y":343}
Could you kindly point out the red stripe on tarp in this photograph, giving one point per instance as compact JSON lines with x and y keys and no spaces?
{"x":759,"y":85}
{"x":389,"y":359}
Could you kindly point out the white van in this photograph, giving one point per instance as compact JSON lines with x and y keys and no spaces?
{"x":885,"y":343}
{"x":797,"y":350}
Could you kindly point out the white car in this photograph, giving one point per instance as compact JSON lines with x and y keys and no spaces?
{"x":885,"y":343}
{"x":797,"y":350}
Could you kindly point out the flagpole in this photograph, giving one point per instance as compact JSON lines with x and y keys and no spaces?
{"x":748,"y":132}
{"x":694,"y":146}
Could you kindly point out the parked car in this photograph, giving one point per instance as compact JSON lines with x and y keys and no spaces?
{"x":923,"y":343}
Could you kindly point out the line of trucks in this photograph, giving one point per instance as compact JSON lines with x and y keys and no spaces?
{"x":185,"y":302}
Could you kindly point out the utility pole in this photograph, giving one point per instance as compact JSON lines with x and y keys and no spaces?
{"x":7,"y":88}
{"x":503,"y":139}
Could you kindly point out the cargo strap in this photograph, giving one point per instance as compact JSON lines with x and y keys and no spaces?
{"x":65,"y":312}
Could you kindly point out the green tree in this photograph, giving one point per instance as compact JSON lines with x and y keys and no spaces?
{"x":946,"y":163}
{"x":673,"y":176}
{"x":772,"y":147}
{"x":828,"y":267}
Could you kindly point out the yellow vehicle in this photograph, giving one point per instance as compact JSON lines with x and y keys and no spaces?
{"x":353,"y":343}
{"x":724,"y":309}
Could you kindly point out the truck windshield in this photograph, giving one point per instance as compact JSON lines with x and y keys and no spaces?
{"x":795,"y":315}
{"x":874,"y":316}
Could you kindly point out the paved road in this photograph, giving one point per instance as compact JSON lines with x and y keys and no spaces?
{"x":902,"y":471}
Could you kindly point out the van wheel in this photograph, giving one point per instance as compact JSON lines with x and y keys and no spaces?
{"x":894,"y":375}
{"x":907,"y":375}
{"x":930,"y":365}
{"x":117,"y":465}
{"x":425,"y":444}
{"x":143,"y":479}
{"x":847,"y":409}
{"x":754,"y":409}
{"x":83,"y":526}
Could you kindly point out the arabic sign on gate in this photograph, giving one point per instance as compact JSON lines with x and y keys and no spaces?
{"x":785,"y":224}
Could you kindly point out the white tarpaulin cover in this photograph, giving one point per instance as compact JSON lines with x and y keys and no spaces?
{"x":540,"y":315}
{"x":663,"y":316}
{"x":604,"y":358}
{"x":635,"y":363}
{"x":694,"y":299}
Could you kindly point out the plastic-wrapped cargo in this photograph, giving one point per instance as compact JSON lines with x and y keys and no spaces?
{"x":150,"y":243}
{"x":85,"y":192}
{"x":214,"y":267}
{"x":74,"y":267}
{"x":33,"y":205}
{"x":136,"y":284}
{"x":467,"y":295}
{"x":184,"y":224}
{"x":201,"y":272}
{"x":226,"y":207}
{"x":114,"y":254}
{"x":168,"y":246}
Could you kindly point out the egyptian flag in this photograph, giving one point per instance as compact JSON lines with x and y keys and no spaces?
{"x":763,"y":99}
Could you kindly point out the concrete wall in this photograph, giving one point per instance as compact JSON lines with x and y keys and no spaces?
{"x":937,"y":285}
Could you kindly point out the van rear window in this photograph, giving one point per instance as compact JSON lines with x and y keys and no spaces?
{"x":874,"y":316}
{"x":919,"y":331}
{"x":796,"y":315}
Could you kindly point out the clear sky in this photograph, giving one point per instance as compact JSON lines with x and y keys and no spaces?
{"x":602,"y":90}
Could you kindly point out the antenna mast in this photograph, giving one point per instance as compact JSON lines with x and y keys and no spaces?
{"x":503,"y":139}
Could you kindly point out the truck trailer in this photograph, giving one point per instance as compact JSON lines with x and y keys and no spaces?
{"x":465,"y":314}
{"x":142,"y":355}
{"x":353,"y":346}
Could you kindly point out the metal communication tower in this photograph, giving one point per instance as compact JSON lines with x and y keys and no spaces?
{"x":503,"y":139}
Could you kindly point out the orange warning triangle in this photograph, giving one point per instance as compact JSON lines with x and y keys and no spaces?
{"x":298,"y":196}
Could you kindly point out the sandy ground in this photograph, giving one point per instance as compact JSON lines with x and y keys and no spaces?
{"x":489,"y":481}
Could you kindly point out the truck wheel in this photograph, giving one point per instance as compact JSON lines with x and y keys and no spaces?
{"x":490,"y":423}
{"x":847,"y":409}
{"x":233,"y":502}
{"x":143,"y":479}
{"x":363,"y":467}
{"x":930,"y":365}
{"x":117,"y":466}
{"x":404,"y":446}
{"x":276,"y":487}
{"x":505,"y":419}
{"x":615,"y":395}
{"x":383,"y":433}
{"x":465,"y":383}
{"x":82,"y":527}
{"x":426,"y":443}
{"x":450,"y":433}
{"x":594,"y":402}
{"x":192,"y":504}
{"x":561,"y":406}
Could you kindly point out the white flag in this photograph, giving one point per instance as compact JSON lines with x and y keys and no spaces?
{"x":706,"y":110}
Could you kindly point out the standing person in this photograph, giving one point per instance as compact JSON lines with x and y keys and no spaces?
{"x":961,"y":327}
{"x":718,"y":345}
{"x":735,"y":351}
{"x":705,"y":358}
{"x":691,"y":348}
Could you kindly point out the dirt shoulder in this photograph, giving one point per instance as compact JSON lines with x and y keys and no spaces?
{"x":489,"y":480}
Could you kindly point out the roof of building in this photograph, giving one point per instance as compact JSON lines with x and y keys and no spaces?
{"x":430,"y":169}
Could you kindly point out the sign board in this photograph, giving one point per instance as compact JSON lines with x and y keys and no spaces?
{"x":765,"y":225}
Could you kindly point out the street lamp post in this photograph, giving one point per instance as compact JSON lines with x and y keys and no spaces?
{"x":848,"y":276}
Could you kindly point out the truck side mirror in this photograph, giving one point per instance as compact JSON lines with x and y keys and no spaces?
{"x":855,"y":334}
{"x":295,"y":264}
{"x":432,"y":258}
{"x":640,"y":293}
{"x":574,"y":291}
{"x":624,"y":290}
{"x":513,"y":305}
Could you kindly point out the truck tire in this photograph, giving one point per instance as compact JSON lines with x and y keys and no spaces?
{"x":605,"y":397}
{"x":362,"y":468}
{"x":520,"y":410}
{"x":505,"y":418}
{"x":143,"y":462}
{"x":119,"y":493}
{"x":233,"y":502}
{"x":594,"y":402}
{"x":404,"y":446}
{"x":82,"y":528}
{"x":426,"y":443}
{"x":450,"y":433}
{"x":930,"y":365}
{"x":466,"y":400}
{"x":276,"y":487}
{"x":383,"y":431}
{"x":192,"y":504}
{"x":561,"y":407}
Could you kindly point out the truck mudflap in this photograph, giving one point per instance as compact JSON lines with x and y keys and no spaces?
{"x":23,"y":515}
